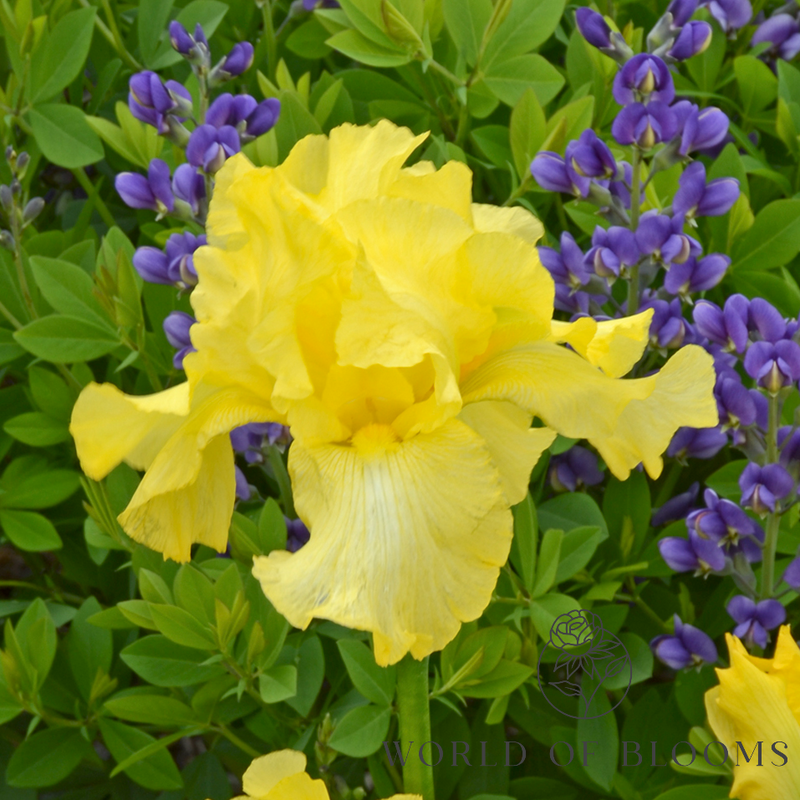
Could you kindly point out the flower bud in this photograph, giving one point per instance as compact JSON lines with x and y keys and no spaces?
{"x":6,"y":198}
{"x":32,"y":210}
{"x":7,"y":240}
{"x":593,"y":27}
{"x":692,"y":40}
{"x":23,"y":159}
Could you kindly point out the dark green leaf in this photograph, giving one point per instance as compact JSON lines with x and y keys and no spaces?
{"x":360,"y":732}
{"x":47,"y":757}
{"x":374,"y":682}
{"x":164,"y":663}
{"x":90,"y":648}
{"x":65,"y":340}
{"x":151,"y":709}
{"x":772,"y":241}
{"x":37,"y":429}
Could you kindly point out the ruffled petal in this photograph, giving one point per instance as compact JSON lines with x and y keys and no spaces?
{"x":266,"y":772}
{"x":449,"y":187}
{"x":629,"y":421}
{"x":517,"y":221}
{"x":750,"y":706}
{"x":407,"y":537}
{"x":188,"y":491}
{"x":514,"y":445}
{"x":110,"y":427}
{"x":613,"y":345}
{"x":298,"y":787}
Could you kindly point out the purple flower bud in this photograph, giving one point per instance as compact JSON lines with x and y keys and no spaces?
{"x":696,"y":276}
{"x":763,"y":486}
{"x":593,"y":27}
{"x":792,"y":574}
{"x":782,"y":31}
{"x":152,"y":264}
{"x":310,"y":5}
{"x":574,"y":469}
{"x":699,"y":129}
{"x":773,"y":365}
{"x":731,"y":14}
{"x":677,"y":507}
{"x":694,"y":554}
{"x":243,"y":490}
{"x":644,"y":78}
{"x":755,"y":619}
{"x":613,"y":250}
{"x":176,"y":328}
{"x":766,"y":320}
{"x":696,"y":443}
{"x":239,"y":60}
{"x":153,"y":192}
{"x":550,"y":172}
{"x":681,"y":11}
{"x":643,"y":125}
{"x":297,"y":534}
{"x":692,"y":40}
{"x":263,"y":117}
{"x":735,"y":403}
{"x":726,"y":327}
{"x":210,"y":147}
{"x":190,"y":186}
{"x":688,"y":647}
{"x":180,"y":38}
{"x":150,"y":101}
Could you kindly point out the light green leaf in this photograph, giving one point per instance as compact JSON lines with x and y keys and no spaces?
{"x":37,"y":429}
{"x":47,"y":757}
{"x":466,"y":21}
{"x":64,"y":136}
{"x":65,"y":339}
{"x":360,"y":732}
{"x":375,"y":683}
{"x":278,"y":683}
{"x":510,"y":78}
{"x":29,"y":531}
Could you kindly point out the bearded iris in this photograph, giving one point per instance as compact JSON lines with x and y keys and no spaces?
{"x":405,"y":336}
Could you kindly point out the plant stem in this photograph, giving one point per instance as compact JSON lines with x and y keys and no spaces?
{"x":93,"y":193}
{"x":446,"y":72}
{"x":415,"y":724}
{"x":10,"y":317}
{"x":636,"y":180}
{"x":518,"y":192}
{"x":773,"y":519}
{"x":234,"y":739}
{"x":117,"y":45}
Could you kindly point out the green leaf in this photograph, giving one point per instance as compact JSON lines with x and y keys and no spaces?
{"x":466,"y":21}
{"x":577,"y":549}
{"x":310,"y":674}
{"x":157,"y":771}
{"x":493,"y":142}
{"x":488,"y":644}
{"x":602,"y":739}
{"x":61,"y":54}
{"x":89,"y":648}
{"x":572,"y":510}
{"x":37,"y":429}
{"x":308,"y":40}
{"x":194,"y":593}
{"x":9,"y":349}
{"x":29,"y":531}
{"x":68,"y":289}
{"x":295,"y":122}
{"x":117,"y":139}
{"x":28,"y":483}
{"x":47,"y":757}
{"x":375,"y":683}
{"x":36,"y":633}
{"x":528,"y":24}
{"x":502,"y":680}
{"x":758,"y":86}
{"x":358,"y":47}
{"x":704,"y":68}
{"x":725,"y":481}
{"x":360,"y":732}
{"x":51,"y":393}
{"x":641,"y":663}
{"x":64,"y":339}
{"x":547,"y":564}
{"x":509,"y":79}
{"x":64,"y":136}
{"x":151,"y":709}
{"x":272,"y":531}
{"x":164,"y":663}
{"x":695,"y":790}
{"x":526,"y":534}
{"x":527,"y":131}
{"x":544,"y":611}
{"x":278,"y":683}
{"x":774,"y":239}
{"x":151,"y":23}
{"x":181,"y":627}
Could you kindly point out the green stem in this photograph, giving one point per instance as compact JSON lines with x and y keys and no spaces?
{"x":94,"y":194}
{"x":773,"y":519}
{"x":117,"y":45}
{"x":442,"y":70}
{"x":234,"y":739}
{"x":636,"y":179}
{"x":518,"y":192}
{"x":282,"y":477}
{"x":10,"y":317}
{"x":415,"y":725}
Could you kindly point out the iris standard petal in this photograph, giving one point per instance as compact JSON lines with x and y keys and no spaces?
{"x":407,"y":537}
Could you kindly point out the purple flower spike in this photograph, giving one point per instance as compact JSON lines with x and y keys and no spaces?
{"x":782,"y":31}
{"x":694,"y":554}
{"x":773,"y":365}
{"x":251,"y":439}
{"x":180,"y":38}
{"x":755,"y":619}
{"x":765,"y":319}
{"x":726,"y":327}
{"x":731,"y":14}
{"x":550,"y":172}
{"x":574,"y":469}
{"x":590,"y":157}
{"x":152,"y":264}
{"x":645,"y":126}
{"x":763,"y":486}
{"x":176,"y":328}
{"x":150,"y":101}
{"x":195,"y":48}
{"x":692,"y":40}
{"x":677,"y":507}
{"x":682,"y":11}
{"x":789,"y":444}
{"x":696,"y":443}
{"x":243,"y":490}
{"x":644,"y":78}
{"x":239,"y":60}
{"x":153,"y":192}
{"x":662,"y":238}
{"x":695,"y":198}
{"x":699,"y":129}
{"x":792,"y":574}
{"x":722,"y":521}
{"x":613,"y":250}
{"x":688,"y":647}
{"x":210,"y":147}
{"x":696,"y":276}
{"x":668,"y":328}
{"x":735,"y":403}
{"x":567,"y":267}
{"x":593,"y":27}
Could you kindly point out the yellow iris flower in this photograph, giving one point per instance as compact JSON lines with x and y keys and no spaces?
{"x":405,"y":335}
{"x":282,"y":776}
{"x":758,"y":700}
